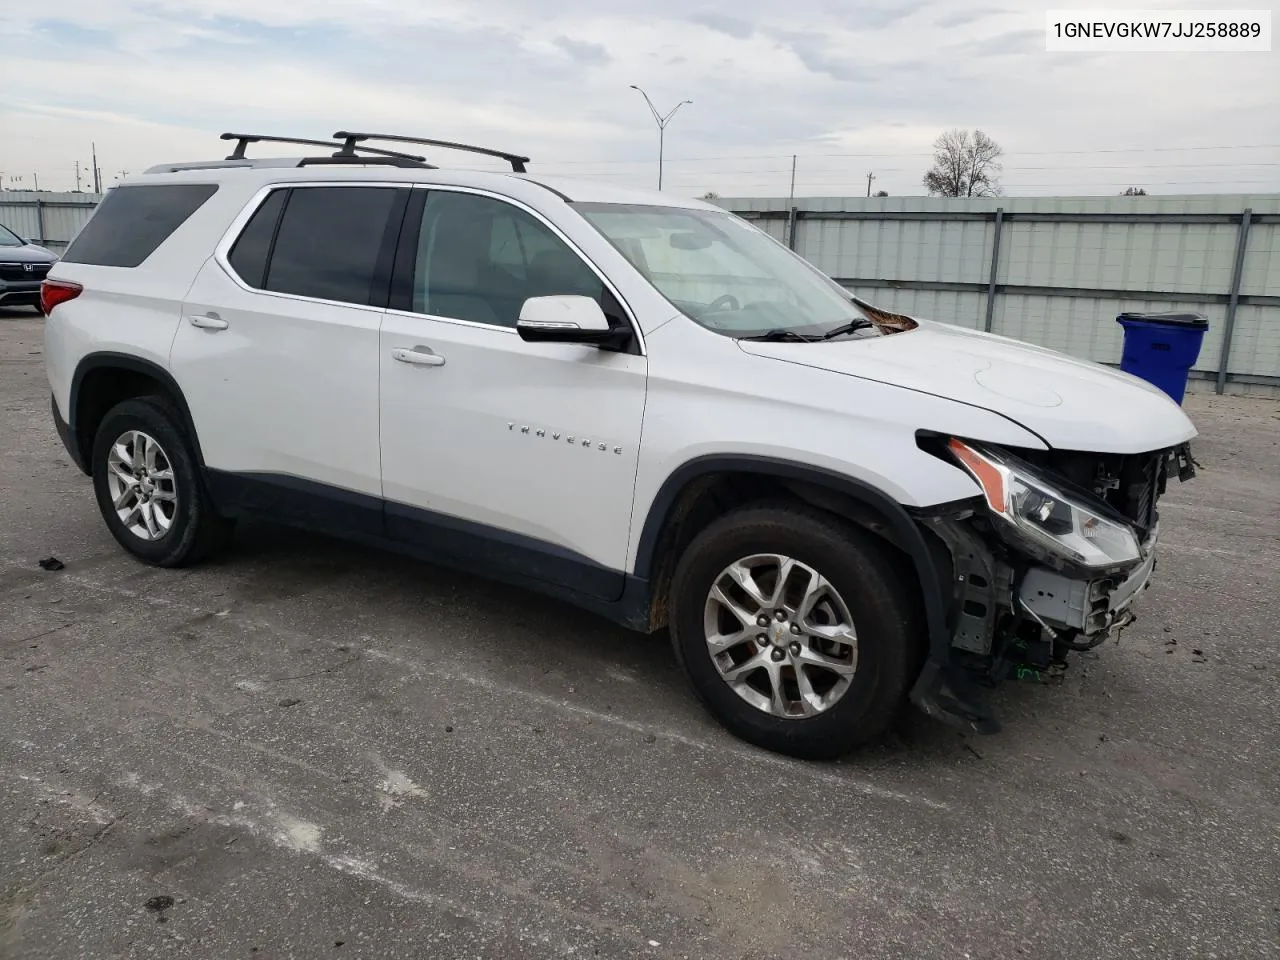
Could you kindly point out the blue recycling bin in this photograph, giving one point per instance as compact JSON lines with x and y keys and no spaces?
{"x":1161,"y":348}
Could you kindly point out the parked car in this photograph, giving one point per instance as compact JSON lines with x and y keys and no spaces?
{"x":23,"y":265}
{"x":639,"y":403}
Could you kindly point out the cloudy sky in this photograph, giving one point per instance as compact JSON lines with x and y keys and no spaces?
{"x":849,"y":87}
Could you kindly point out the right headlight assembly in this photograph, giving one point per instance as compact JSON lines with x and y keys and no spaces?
{"x":1038,"y":513}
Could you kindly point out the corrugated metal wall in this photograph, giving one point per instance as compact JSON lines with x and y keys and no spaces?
{"x":50,"y":219}
{"x":1066,"y":266}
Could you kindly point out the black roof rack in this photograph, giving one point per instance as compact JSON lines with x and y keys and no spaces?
{"x":352,"y":139}
{"x":343,"y":153}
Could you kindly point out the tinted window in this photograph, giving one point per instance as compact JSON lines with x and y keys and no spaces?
{"x":131,"y":222}
{"x":329,"y":242}
{"x":479,"y":259}
{"x":249,"y":255}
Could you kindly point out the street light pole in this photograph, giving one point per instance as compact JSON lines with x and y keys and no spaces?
{"x":662,"y":122}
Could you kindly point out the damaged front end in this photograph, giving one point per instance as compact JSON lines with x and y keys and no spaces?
{"x":1048,"y":560}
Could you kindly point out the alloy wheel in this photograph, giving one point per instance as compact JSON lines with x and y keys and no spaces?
{"x":141,"y":485}
{"x":780,"y":636}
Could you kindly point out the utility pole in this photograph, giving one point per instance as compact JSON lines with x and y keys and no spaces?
{"x":97,"y":174}
{"x":870,"y":177}
{"x":662,"y":122}
{"x":791,"y":207}
{"x":77,"y":176}
{"x":36,"y":178}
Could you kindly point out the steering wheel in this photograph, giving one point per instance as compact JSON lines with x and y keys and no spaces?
{"x":725,"y":302}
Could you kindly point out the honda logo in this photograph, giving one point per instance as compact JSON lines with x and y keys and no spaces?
{"x":29,"y":267}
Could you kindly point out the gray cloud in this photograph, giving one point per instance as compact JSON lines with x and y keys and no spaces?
{"x":817,"y":54}
{"x":723,"y":23}
{"x":863,"y":15}
{"x":1006,"y":44}
{"x":583,"y":50}
{"x":874,"y":77}
{"x":963,"y":18}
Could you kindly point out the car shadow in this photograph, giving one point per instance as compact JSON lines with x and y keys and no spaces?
{"x":273,"y":562}
{"x":20,"y":313}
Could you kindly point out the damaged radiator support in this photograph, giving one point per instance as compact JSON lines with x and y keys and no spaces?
{"x":979,"y":585}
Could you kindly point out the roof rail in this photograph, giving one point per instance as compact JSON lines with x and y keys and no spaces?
{"x":352,"y":139}
{"x":344,"y":152}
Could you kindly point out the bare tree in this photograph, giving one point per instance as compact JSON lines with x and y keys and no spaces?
{"x":964,"y":165}
{"x":1134,"y":192}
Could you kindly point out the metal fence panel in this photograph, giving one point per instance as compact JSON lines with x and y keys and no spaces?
{"x":1065,"y":266}
{"x":1255,"y":342}
{"x":50,"y":219}
{"x":1262,"y":261}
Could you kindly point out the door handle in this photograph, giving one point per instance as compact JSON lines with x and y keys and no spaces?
{"x":422,"y":356}
{"x":209,"y":321}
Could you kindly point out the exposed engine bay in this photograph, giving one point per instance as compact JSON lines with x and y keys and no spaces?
{"x":1054,"y":558}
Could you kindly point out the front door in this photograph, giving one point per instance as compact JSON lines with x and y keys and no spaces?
{"x":513,"y":457}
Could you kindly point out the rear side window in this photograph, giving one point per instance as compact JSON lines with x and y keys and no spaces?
{"x":131,"y":222}
{"x":249,"y":256}
{"x":329,"y":244}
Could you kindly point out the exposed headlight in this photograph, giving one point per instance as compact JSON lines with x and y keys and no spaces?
{"x":1046,"y":516}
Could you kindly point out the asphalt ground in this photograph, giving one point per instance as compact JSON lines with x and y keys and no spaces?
{"x":310,"y":749}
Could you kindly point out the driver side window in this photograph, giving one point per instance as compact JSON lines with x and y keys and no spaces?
{"x":479,"y":259}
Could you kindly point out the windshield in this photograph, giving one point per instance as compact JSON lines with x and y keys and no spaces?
{"x":725,"y":274}
{"x":8,"y":238}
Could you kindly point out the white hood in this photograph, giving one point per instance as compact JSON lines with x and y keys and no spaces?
{"x":1072,"y":404}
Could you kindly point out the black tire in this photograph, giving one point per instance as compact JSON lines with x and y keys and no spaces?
{"x":867,"y":576}
{"x":197,"y":531}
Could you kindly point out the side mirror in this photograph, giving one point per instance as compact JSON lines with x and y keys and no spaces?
{"x":568,"y":319}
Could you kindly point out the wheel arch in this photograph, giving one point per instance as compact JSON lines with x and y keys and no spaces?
{"x":103,"y":379}
{"x":689,"y":495}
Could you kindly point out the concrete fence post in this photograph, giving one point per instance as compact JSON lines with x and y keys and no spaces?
{"x":1233,"y":300}
{"x":995,"y":265}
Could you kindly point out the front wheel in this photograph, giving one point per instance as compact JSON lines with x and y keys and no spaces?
{"x":795,"y":629}
{"x":149,"y":488}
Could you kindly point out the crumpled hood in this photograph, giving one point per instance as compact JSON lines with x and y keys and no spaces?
{"x":1072,"y":404}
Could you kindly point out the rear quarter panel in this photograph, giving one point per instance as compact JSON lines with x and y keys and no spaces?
{"x":132,"y":310}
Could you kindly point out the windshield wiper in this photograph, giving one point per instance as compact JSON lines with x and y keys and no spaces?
{"x":781,"y":335}
{"x":849,"y":327}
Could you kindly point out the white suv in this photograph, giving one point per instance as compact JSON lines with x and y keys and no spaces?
{"x":636,"y":402}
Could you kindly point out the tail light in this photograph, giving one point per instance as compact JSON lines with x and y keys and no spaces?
{"x":54,"y":292}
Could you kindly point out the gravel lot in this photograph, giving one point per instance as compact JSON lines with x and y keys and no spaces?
{"x":309,"y":749}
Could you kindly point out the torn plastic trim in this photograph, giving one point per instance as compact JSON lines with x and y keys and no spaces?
{"x":945,"y":690}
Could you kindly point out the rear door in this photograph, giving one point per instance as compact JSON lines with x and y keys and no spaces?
{"x":278,"y":353}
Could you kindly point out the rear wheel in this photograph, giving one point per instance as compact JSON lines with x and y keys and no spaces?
{"x":794,"y":629}
{"x":148,"y":486}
